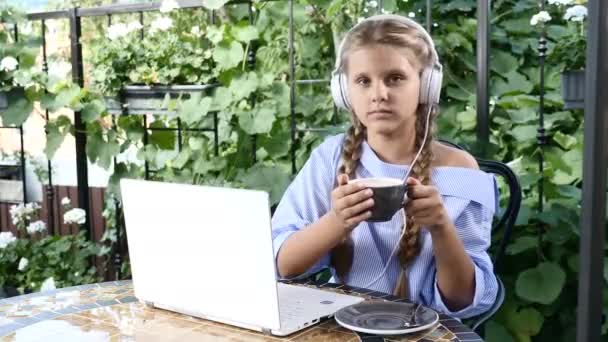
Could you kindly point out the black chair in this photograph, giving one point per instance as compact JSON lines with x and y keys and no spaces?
{"x":503,"y":226}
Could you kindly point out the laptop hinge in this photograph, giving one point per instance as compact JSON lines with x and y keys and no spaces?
{"x":266,"y":331}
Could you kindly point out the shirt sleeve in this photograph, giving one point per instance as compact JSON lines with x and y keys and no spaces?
{"x":474,"y":227}
{"x":306,"y":199}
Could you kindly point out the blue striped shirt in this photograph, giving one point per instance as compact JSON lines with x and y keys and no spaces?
{"x":469,"y":196}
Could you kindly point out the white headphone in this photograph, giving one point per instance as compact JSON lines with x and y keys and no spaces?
{"x":430,"y":80}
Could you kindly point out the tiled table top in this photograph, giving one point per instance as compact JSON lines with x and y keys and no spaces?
{"x":110,"y":312}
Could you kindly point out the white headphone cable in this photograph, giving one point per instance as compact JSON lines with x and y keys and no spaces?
{"x":388,"y":262}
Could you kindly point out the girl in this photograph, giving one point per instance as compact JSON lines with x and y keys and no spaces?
{"x":389,"y":77}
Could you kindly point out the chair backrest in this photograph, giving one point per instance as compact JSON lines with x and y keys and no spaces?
{"x":507,"y":217}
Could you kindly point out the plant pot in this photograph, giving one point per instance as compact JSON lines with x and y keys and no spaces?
{"x":143,"y":99}
{"x":573,"y":89}
{"x":3,"y":100}
{"x":11,"y":186}
{"x":8,"y":291}
{"x":7,"y":97}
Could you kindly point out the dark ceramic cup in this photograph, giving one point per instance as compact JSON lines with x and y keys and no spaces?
{"x":388,"y":196}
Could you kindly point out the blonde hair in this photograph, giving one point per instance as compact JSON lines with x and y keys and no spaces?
{"x":397,"y":34}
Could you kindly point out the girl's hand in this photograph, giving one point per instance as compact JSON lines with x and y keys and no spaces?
{"x":424,"y":205}
{"x":351,"y":203}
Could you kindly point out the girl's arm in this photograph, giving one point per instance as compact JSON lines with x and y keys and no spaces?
{"x":304,"y":248}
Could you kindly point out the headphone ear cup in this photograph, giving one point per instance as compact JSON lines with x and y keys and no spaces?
{"x":339,"y":91}
{"x":430,"y":85}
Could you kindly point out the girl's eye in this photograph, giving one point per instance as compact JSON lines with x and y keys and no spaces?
{"x":362,"y":81}
{"x":396,"y":78}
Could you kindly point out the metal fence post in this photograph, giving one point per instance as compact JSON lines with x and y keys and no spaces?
{"x":595,"y":162}
{"x":80,"y":127}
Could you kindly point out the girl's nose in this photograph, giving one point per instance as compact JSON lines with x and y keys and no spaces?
{"x":380,"y":93}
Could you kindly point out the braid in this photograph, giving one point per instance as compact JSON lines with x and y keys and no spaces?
{"x":342,"y":254}
{"x":409,"y":246}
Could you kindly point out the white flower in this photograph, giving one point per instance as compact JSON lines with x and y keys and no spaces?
{"x":161,"y":24}
{"x":542,"y":17}
{"x":48,"y":285}
{"x":6,"y":238}
{"x":75,"y":215}
{"x":31,"y":207}
{"x":21,"y":213}
{"x":8,"y":63}
{"x":36,"y":227}
{"x":560,"y":2}
{"x":65,"y":201}
{"x":26,"y":29}
{"x":372,"y":4}
{"x":411,"y":14}
{"x":117,"y":30}
{"x":196,"y":31}
{"x":23,"y":264}
{"x":576,"y":13}
{"x":60,"y":69}
{"x":168,"y":5}
{"x":134,"y":26}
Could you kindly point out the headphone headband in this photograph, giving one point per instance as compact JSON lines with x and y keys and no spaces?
{"x":380,"y":17}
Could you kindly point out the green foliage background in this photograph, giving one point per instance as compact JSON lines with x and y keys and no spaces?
{"x":252,"y":105}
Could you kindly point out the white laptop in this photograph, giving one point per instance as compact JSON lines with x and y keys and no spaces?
{"x":207,"y":252}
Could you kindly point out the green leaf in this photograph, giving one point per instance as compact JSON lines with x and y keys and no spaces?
{"x":17,"y":112}
{"x":521,"y":115}
{"x":204,"y":166}
{"x":268,"y":178}
{"x":516,"y":83}
{"x":68,"y":97}
{"x":107,"y":152}
{"x":524,"y":132}
{"x":522,"y":244}
{"x":245,"y":34}
{"x":459,"y":93}
{"x":244,"y":85}
{"x":497,"y":333}
{"x":541,"y":284}
{"x":92,"y":110}
{"x":228,"y":55}
{"x":196,"y":143}
{"x":164,"y":140}
{"x":194,"y":109}
{"x":215,"y":34}
{"x":520,"y":25}
{"x":528,"y":322}
{"x":57,"y":130}
{"x":258,"y":121}
{"x":467,"y":119}
{"x":503,"y":62}
{"x":460,"y":5}
{"x":182,"y":158}
{"x":565,"y":141}
{"x":214,"y":4}
{"x":222,"y":97}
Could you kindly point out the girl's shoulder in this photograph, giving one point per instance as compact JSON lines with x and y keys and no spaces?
{"x":329,"y":147}
{"x":448,"y":156}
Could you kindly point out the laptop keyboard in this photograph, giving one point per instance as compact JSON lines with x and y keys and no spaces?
{"x":301,"y":306}
{"x":291,"y":310}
